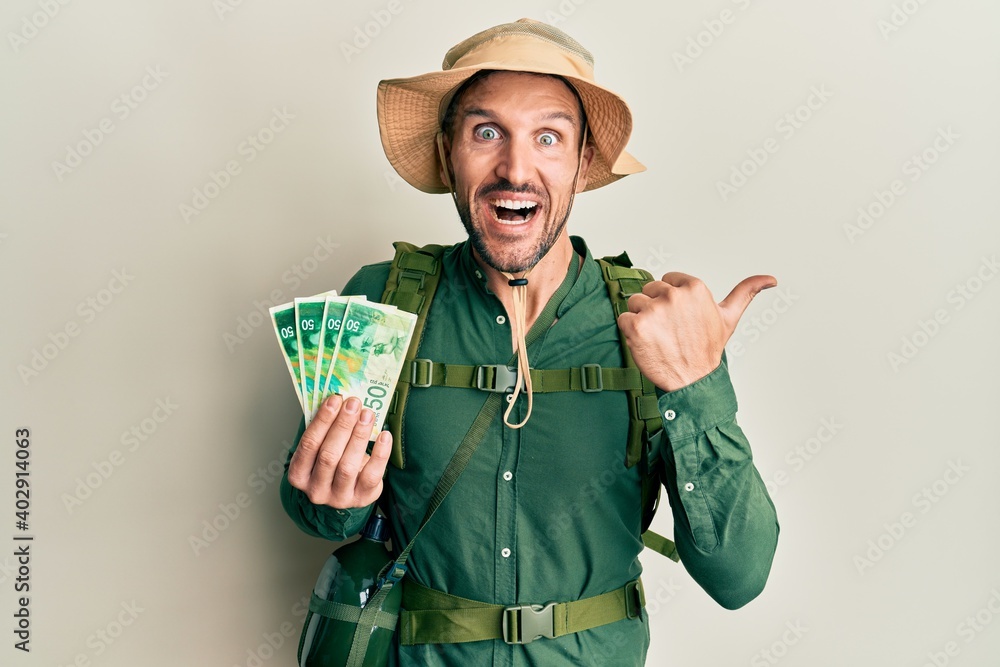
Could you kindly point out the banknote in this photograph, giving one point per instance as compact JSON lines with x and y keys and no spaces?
{"x":309,"y":331}
{"x":283,"y":318}
{"x":333,"y":315}
{"x":370,"y":354}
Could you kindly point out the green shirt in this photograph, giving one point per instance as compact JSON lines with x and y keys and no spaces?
{"x":550,"y":512}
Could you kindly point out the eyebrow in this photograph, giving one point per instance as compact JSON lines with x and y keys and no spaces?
{"x":554,"y":115}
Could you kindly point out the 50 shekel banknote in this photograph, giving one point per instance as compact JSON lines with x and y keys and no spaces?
{"x":345,"y":345}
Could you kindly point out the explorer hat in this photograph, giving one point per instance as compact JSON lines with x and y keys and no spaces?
{"x":410,"y":110}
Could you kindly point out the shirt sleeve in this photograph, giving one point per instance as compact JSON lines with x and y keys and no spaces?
{"x":321,"y":520}
{"x":725,"y":524}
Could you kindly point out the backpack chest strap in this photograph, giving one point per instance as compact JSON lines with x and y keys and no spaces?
{"x":588,"y":378}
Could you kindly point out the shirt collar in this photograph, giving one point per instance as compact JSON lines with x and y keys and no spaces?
{"x":590,"y":273}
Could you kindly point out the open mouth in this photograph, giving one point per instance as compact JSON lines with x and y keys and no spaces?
{"x":513,"y":212}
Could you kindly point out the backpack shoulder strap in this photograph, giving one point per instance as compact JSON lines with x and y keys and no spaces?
{"x":413,"y":280}
{"x":623,"y":281}
{"x":644,"y":414}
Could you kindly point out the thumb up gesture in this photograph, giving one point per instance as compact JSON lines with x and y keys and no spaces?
{"x":676,"y":331}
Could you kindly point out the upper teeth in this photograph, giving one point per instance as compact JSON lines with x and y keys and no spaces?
{"x":512,"y":204}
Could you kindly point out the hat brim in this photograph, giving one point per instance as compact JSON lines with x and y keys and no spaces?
{"x":409,"y":119}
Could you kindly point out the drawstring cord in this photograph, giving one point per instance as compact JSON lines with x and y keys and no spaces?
{"x":519,"y":297}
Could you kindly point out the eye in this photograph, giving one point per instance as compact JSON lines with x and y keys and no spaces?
{"x":487,"y":133}
{"x":547,"y":139}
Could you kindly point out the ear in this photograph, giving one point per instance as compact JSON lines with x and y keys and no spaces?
{"x":444,"y":154}
{"x":586,"y":158}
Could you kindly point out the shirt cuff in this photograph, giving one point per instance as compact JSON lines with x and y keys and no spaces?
{"x":698,"y":407}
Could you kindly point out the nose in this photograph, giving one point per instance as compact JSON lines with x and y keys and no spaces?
{"x":515,"y":162}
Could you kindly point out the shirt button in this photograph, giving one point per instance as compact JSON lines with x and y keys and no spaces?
{"x":669,"y":415}
{"x":505,"y":553}
{"x":689,"y":487}
{"x":508,"y":475}
{"x":501,"y":319}
{"x":478,"y":274}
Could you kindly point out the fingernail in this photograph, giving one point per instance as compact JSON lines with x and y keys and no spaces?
{"x":367,"y":416}
{"x":334,"y":401}
{"x":352,"y":405}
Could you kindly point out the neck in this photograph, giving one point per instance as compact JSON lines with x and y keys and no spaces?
{"x":543,"y":281}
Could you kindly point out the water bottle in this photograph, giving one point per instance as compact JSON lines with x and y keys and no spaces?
{"x":350,"y":576}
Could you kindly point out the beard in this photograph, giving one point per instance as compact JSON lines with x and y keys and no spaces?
{"x":522,"y":260}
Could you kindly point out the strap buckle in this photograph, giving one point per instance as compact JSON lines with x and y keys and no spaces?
{"x":585,"y":385}
{"x":521,"y":627}
{"x":635,"y":599}
{"x":496,"y":378}
{"x":419,"y":368}
{"x":412,"y":274}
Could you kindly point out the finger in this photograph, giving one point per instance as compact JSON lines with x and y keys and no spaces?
{"x":328,"y":458}
{"x":637,"y":302}
{"x":657,"y":288}
{"x":353,"y":458}
{"x":736,"y":302}
{"x":626,"y":322}
{"x":677,"y":279}
{"x":301,"y":465}
{"x":369,"y":484}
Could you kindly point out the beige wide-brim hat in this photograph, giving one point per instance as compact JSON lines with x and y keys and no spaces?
{"x":410,"y":110}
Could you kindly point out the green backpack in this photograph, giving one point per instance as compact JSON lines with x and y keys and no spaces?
{"x":412,"y":282}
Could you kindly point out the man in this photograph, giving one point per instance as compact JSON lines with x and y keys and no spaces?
{"x":548,"y":509}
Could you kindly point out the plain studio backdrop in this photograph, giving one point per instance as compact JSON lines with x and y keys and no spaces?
{"x":170,"y":169}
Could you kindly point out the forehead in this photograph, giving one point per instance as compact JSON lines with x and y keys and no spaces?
{"x":522,"y":91}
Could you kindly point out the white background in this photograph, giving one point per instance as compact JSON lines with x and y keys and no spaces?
{"x":179,"y":324}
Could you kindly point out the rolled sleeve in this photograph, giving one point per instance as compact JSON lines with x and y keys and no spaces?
{"x":726,"y":526}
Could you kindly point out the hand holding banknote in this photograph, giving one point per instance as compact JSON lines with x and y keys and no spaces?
{"x":344,"y":355}
{"x":331,"y":464}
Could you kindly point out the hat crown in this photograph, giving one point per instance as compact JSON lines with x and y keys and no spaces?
{"x":464,"y":53}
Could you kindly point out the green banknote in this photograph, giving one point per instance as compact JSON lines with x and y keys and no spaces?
{"x":283,"y":318}
{"x":309,"y":330}
{"x":333,"y":315}
{"x":370,"y":354}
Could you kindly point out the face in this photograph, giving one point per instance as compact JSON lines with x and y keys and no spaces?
{"x":514,"y":154}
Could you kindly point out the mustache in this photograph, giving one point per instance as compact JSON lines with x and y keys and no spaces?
{"x":503,"y":185}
